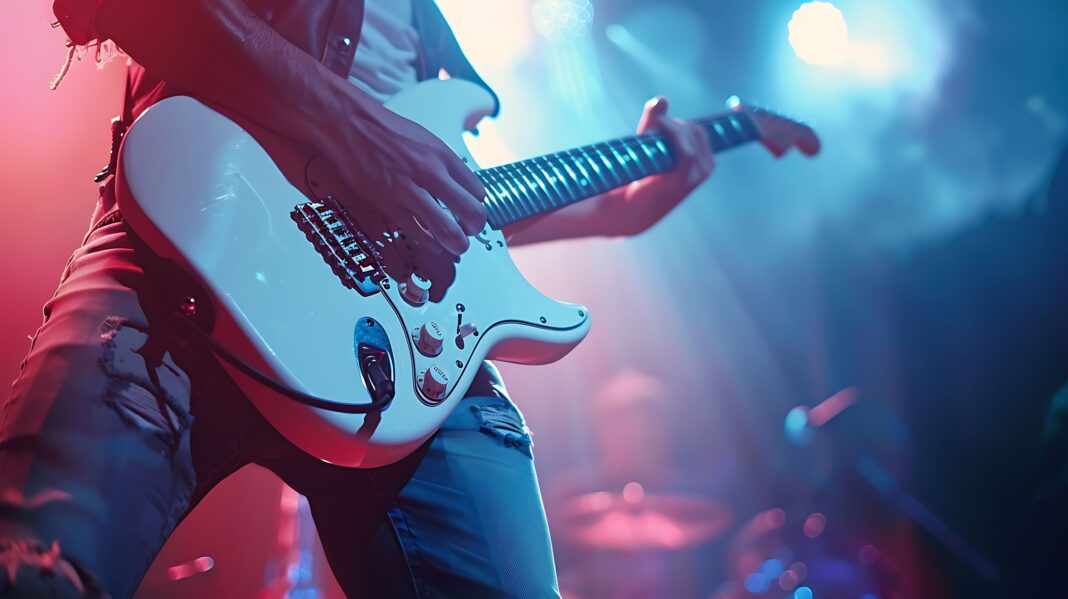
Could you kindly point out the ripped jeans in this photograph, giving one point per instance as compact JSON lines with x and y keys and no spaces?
{"x":115,"y":429}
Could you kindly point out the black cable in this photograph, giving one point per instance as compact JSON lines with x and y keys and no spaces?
{"x":384,"y":396}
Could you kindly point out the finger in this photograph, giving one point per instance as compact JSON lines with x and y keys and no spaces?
{"x":682,"y":143}
{"x":695,"y":171}
{"x":705,"y":156}
{"x":652,"y":114}
{"x":468,"y":210}
{"x":441,"y":225}
{"x":467,"y":179}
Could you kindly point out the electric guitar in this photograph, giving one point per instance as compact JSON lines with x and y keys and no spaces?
{"x":331,"y":303}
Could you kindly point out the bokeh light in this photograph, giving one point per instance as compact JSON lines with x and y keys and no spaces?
{"x":868,"y":554}
{"x":819,"y":34}
{"x":814,"y":525}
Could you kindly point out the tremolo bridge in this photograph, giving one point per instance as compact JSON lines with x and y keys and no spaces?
{"x":354,"y":258}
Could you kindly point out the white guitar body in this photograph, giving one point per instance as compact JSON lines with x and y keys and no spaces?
{"x":201,"y":191}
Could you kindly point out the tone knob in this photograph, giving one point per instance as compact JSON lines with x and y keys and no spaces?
{"x":429,"y":339}
{"x":435,"y":382}
{"x":416,"y":290}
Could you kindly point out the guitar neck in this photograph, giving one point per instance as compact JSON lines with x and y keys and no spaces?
{"x":535,"y":186}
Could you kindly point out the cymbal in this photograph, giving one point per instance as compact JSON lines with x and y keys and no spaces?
{"x":631,"y":521}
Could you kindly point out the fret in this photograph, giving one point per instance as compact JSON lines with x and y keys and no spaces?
{"x":546,"y":182}
{"x":498,"y":193}
{"x":734,"y":135}
{"x":512,"y":201}
{"x":571,"y":174}
{"x":649,"y":153}
{"x":494,"y":215}
{"x":597,"y":170}
{"x":662,"y":149}
{"x":585,"y":181}
{"x":615,"y":179}
{"x":720,"y":133}
{"x":548,"y":199}
{"x":737,"y":127}
{"x":520,"y":194}
{"x":744,"y":124}
{"x":502,"y":199}
{"x":520,"y":169}
{"x":622,"y":161}
{"x":642,"y":172}
{"x":558,"y":177}
{"x":611,"y":168}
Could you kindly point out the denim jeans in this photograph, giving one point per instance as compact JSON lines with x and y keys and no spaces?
{"x":116,"y":428}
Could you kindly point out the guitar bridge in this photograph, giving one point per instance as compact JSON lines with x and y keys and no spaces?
{"x":351,"y":255}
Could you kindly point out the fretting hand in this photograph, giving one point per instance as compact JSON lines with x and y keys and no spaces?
{"x":647,"y":201}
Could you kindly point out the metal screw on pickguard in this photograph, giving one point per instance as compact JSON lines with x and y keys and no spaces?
{"x":459,"y":364}
{"x":543,"y":320}
{"x":459,"y":307}
{"x":582,"y":314}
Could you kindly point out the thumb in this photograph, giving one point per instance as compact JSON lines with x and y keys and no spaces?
{"x":653,"y":110}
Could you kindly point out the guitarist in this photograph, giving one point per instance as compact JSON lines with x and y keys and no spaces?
{"x":116,"y":426}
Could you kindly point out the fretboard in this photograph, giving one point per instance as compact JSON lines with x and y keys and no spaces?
{"x":538,"y":185}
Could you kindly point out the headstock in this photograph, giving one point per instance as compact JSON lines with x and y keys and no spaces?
{"x":779,"y":133}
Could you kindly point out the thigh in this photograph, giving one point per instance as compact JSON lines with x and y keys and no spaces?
{"x":463,"y":517}
{"x":95,"y":440}
{"x":471,"y":521}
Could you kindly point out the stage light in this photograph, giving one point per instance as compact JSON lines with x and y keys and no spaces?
{"x":561,"y":20}
{"x":872,"y":61}
{"x":819,"y":34}
{"x":491,"y":48}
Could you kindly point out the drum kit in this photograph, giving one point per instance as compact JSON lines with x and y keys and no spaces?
{"x":634,"y":521}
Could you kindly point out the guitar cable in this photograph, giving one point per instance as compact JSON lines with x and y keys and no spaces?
{"x":382,"y":387}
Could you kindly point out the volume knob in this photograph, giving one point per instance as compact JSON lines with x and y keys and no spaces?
{"x":416,"y":290}
{"x":429,"y":339}
{"x":435,"y":382}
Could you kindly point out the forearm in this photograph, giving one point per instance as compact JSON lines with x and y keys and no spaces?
{"x":618,"y":213}
{"x":223,"y":52}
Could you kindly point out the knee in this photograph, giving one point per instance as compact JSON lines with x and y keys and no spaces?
{"x":144,"y":385}
{"x":30,"y":569}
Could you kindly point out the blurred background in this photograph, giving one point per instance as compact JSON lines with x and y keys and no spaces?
{"x":840,"y":377}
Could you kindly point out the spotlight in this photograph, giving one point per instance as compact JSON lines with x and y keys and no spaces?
{"x":819,"y":34}
{"x":562,"y":20}
{"x":495,"y":49}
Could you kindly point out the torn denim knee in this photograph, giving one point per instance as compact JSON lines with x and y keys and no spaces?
{"x":503,"y":422}
{"x":145,"y":387}
{"x":30,"y":569}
